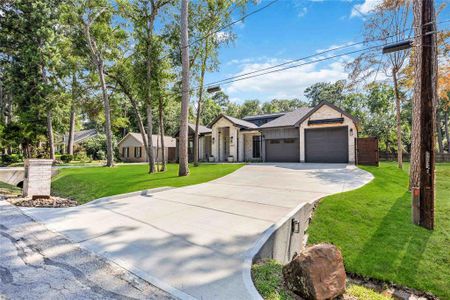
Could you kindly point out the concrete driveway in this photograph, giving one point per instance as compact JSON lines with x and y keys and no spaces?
{"x":194,"y":241}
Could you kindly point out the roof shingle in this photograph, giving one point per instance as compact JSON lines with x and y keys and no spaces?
{"x":289,"y":119}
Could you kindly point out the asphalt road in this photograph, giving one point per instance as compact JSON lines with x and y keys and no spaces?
{"x":36,"y":263}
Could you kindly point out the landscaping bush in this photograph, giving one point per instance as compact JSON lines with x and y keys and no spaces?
{"x":66,"y":158}
{"x":82,"y":156}
{"x":100,"y":155}
{"x":8,"y":159}
{"x":94,"y":145}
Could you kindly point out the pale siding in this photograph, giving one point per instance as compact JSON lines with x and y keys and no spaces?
{"x":249,"y":146}
{"x":326,"y":112}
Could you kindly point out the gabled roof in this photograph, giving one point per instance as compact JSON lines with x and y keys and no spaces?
{"x":322,"y":103}
{"x":80,"y":136}
{"x":288,"y":119}
{"x":201,"y":129}
{"x":156,"y":140}
{"x":238,"y":122}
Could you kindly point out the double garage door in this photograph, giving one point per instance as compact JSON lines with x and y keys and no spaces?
{"x":322,"y":145}
{"x":326,"y":145}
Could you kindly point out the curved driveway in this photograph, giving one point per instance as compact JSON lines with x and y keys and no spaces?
{"x":193,"y":241}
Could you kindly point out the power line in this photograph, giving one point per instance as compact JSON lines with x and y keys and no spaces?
{"x":226,"y":26}
{"x":314,"y":55}
{"x":234,"y":22}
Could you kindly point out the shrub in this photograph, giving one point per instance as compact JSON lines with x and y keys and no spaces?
{"x":8,"y":159}
{"x":67,"y":158}
{"x":82,"y":156}
{"x":101,"y":155}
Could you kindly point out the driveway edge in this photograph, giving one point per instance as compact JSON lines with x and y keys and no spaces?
{"x":257,"y":247}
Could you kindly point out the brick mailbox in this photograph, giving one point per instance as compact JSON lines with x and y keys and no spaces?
{"x":38,"y":176}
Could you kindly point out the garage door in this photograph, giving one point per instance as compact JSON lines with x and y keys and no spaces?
{"x":326,"y":145}
{"x":282,"y":150}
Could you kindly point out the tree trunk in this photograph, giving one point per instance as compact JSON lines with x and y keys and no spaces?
{"x":51,"y":143}
{"x":447,"y":134}
{"x":439,"y":132}
{"x":150,"y":154}
{"x":71,"y":137}
{"x":399,"y":120}
{"x":148,"y":95}
{"x":199,"y":103}
{"x":96,"y":57}
{"x":107,"y":109}
{"x":135,"y":107}
{"x":161,"y":130}
{"x":183,"y":169}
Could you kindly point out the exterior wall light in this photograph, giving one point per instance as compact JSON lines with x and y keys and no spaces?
{"x":351,"y":131}
{"x":231,"y":140}
{"x":213,"y":140}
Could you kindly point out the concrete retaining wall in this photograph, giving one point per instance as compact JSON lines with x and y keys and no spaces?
{"x":288,"y":238}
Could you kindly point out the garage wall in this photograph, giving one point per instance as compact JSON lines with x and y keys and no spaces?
{"x":326,"y":112}
{"x":278,"y":134}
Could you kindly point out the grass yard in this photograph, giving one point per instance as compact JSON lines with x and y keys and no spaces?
{"x":86,"y":184}
{"x":372,"y":226}
{"x":9,"y":190}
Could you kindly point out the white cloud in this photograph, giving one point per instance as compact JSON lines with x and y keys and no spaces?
{"x":302,"y":12}
{"x":288,"y":83}
{"x":360,"y":10}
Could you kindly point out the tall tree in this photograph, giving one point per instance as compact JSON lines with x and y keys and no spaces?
{"x":143,"y":14}
{"x":28,"y":35}
{"x":332,"y":92}
{"x":389,"y":21}
{"x":212,"y":17}
{"x":100,"y":36}
{"x":183,"y":169}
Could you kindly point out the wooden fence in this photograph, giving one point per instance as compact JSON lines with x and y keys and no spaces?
{"x":384,"y":156}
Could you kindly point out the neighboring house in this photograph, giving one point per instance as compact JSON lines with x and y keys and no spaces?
{"x":132,"y":148}
{"x":324,"y":134}
{"x":79,"y":136}
{"x":204,"y":141}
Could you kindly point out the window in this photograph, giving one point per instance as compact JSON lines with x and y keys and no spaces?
{"x":125,"y":152}
{"x":289,"y":141}
{"x":274,"y":141}
{"x":137,"y":152}
{"x":256,"y":147}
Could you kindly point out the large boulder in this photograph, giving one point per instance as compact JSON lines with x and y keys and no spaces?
{"x":317,"y":273}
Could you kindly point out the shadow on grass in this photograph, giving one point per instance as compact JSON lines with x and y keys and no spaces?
{"x":396,"y":247}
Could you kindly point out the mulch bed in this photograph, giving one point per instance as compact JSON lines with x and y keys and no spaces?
{"x":52,"y":202}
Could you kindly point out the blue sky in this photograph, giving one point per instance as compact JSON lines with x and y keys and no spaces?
{"x":286,"y":30}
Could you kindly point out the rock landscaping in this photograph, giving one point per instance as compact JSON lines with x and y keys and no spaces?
{"x":316,"y":273}
{"x":44,"y":201}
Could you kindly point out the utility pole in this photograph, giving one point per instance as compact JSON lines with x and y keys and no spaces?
{"x":183,"y":168}
{"x":425,"y":100}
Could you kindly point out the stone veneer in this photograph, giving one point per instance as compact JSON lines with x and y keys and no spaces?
{"x":38,"y":177}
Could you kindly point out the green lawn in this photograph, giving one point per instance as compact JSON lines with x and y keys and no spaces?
{"x":9,"y":190}
{"x":372,"y":226}
{"x":86,"y":184}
